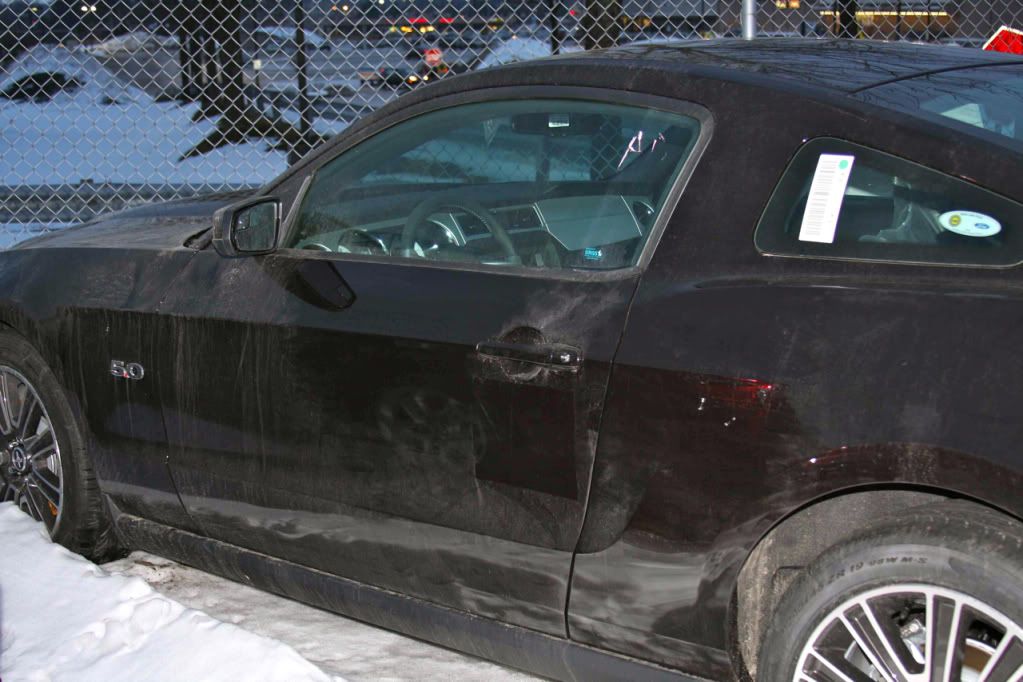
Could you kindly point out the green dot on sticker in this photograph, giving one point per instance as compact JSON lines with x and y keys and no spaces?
{"x":843,"y":164}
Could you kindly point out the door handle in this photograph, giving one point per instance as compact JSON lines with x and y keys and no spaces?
{"x":556,"y":355}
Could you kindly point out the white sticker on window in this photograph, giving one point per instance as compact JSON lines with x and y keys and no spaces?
{"x":825,"y":200}
{"x":970,"y":223}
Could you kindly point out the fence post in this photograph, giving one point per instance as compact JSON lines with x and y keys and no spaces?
{"x":554,"y":17}
{"x":302,"y":77}
{"x":848,"y":23}
{"x":601,"y":23}
{"x":749,"y":19}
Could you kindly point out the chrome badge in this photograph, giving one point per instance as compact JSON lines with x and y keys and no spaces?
{"x":127,"y":370}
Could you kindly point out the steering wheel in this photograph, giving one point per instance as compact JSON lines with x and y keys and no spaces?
{"x":452,"y":203}
{"x":356,"y":237}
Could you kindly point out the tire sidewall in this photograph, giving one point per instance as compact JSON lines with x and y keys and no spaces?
{"x":840,"y":575}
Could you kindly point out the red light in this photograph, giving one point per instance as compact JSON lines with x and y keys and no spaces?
{"x":742,"y":394}
{"x":571,"y":12}
{"x":447,"y":20}
{"x":418,"y":20}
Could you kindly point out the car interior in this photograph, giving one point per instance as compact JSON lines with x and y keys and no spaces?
{"x":894,"y":210}
{"x":576,"y":186}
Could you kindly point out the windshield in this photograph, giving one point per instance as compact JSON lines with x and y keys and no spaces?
{"x":988,"y":98}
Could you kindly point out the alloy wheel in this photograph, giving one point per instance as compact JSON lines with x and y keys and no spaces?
{"x":910,"y":633}
{"x":30,"y":465}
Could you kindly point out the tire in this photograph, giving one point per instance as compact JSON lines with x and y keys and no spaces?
{"x":44,"y":465}
{"x":914,"y":573}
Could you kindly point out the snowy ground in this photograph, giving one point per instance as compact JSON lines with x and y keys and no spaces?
{"x":147,"y":618}
{"x":109,"y":132}
{"x":72,"y":139}
{"x":12,"y":233}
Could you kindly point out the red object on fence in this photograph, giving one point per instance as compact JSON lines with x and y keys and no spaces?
{"x":1006,"y":39}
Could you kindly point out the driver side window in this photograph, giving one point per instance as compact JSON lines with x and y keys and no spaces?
{"x":541,"y":183}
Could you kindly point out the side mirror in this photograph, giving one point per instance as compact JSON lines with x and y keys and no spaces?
{"x":247,"y":228}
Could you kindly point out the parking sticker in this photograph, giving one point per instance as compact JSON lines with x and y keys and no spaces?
{"x":825,"y":200}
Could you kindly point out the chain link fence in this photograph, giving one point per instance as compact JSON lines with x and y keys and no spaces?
{"x":110,"y":103}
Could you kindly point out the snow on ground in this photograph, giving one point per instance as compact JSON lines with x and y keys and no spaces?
{"x":97,"y":82}
{"x":72,"y":139}
{"x":287,"y":34}
{"x":12,"y":233}
{"x":131,"y":42}
{"x":65,"y":618}
{"x":521,"y":49}
{"x":147,"y":618}
{"x":338,"y":645}
{"x":81,"y":136}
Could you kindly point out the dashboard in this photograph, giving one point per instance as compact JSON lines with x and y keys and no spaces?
{"x":600,"y":232}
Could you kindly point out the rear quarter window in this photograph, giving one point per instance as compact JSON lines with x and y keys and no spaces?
{"x":841,"y":200}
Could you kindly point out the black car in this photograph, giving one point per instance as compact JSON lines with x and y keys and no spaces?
{"x":664,"y":361}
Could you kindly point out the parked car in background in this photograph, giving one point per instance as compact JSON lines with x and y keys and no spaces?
{"x":397,"y":77}
{"x":666,"y":362}
{"x":450,"y":46}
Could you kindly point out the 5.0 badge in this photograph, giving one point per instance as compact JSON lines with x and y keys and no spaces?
{"x":127,"y":370}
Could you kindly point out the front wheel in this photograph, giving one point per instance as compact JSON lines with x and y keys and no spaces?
{"x":935,"y":594}
{"x":44,"y":466}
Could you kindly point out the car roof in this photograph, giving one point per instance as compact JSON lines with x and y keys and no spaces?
{"x":835,"y":65}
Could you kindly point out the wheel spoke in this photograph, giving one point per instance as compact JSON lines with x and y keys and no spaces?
{"x":50,"y":491}
{"x":30,"y":416}
{"x":834,"y":667}
{"x":946,"y":639}
{"x":39,"y":441}
{"x":44,"y":479}
{"x":6,"y":420}
{"x":26,"y":493}
{"x":43,"y":453}
{"x":1006,"y":662}
{"x":875,"y":640}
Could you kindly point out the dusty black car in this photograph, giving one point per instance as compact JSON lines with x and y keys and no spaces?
{"x":658,"y":362}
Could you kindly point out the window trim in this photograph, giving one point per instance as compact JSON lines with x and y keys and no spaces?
{"x":513,"y":93}
{"x":774,"y":253}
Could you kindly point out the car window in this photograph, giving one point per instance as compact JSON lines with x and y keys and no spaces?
{"x":840,"y":200}
{"x":539,"y":183}
{"x":988,"y":98}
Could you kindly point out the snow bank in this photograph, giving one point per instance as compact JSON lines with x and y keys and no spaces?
{"x":12,"y":233}
{"x":65,"y":618}
{"x":132,"y":42}
{"x":75,"y":140}
{"x":76,"y":137}
{"x":287,"y":34}
{"x":520,"y":50}
{"x":515,"y":50}
{"x":98,"y":83}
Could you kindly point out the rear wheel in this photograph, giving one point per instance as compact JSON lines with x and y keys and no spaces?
{"x":44,"y":467}
{"x":935,"y":594}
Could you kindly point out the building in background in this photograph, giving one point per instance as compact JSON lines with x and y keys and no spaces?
{"x":925,"y":20}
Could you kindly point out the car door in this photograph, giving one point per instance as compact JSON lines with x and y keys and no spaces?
{"x":408,"y":392}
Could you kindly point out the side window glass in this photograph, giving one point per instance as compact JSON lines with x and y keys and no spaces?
{"x":840,"y":200}
{"x":559,"y":184}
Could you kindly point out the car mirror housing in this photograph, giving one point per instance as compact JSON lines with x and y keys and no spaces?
{"x":247,"y":228}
